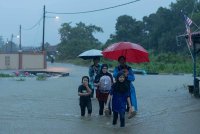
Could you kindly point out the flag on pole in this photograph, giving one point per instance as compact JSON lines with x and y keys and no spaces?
{"x":188,"y":22}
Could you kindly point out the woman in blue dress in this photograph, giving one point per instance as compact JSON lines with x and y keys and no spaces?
{"x":120,"y":95}
{"x":129,"y":77}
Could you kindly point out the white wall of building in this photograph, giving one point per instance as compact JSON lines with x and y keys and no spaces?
{"x":9,"y":61}
{"x":30,"y":61}
{"x":22,"y":61}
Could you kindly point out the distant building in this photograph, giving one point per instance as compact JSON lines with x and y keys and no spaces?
{"x":22,"y":60}
{"x":51,"y":50}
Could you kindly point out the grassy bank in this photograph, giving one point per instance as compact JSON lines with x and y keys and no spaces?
{"x":5,"y":75}
{"x":162,"y":63}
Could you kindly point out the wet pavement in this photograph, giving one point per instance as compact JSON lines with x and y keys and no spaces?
{"x":51,"y":106}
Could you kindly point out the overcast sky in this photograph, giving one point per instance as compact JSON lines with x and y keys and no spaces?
{"x":28,"y":12}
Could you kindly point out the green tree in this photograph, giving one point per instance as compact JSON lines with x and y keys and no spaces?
{"x":10,"y":47}
{"x":75,"y":40}
{"x":46,"y":45}
{"x":1,"y":43}
{"x":158,"y":31}
{"x":128,"y":29}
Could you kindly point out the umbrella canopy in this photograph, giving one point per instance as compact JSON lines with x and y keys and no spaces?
{"x":90,"y":54}
{"x":133,"y":52}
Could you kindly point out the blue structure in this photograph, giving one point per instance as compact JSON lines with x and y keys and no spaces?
{"x":196,"y":42}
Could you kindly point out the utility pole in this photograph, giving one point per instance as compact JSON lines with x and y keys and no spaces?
{"x":11,"y":43}
{"x":43,"y":33}
{"x":20,"y":37}
{"x":7,"y":45}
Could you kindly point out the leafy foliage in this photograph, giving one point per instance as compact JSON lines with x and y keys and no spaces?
{"x":41,"y":77}
{"x":5,"y":75}
{"x":158,"y":31}
{"x":162,"y":63}
{"x":1,"y":41}
{"x":75,"y":40}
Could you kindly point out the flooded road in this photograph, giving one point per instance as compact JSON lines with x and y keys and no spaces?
{"x":51,"y":106}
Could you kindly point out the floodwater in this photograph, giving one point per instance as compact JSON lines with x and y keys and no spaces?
{"x":52,"y":106}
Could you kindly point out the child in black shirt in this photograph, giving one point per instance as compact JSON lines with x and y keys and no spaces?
{"x":84,"y":91}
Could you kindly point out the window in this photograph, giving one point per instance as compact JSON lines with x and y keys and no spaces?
{"x":7,"y":60}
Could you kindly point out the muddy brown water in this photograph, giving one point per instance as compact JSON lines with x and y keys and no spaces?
{"x":51,"y":106}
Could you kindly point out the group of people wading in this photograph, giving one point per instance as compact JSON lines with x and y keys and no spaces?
{"x":115,"y":93}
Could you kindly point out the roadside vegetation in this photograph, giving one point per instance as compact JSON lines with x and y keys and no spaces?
{"x":156,"y":33}
{"x":161,"y":63}
{"x":5,"y":75}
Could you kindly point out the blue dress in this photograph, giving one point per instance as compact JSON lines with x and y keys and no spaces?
{"x":119,"y":101}
{"x":130,"y":78}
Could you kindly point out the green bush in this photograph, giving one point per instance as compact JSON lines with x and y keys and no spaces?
{"x":5,"y":75}
{"x":41,"y":77}
{"x":159,"y":63}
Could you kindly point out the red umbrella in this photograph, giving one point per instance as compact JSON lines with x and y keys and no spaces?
{"x":133,"y":52}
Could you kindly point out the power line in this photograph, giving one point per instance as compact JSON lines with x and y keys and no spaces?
{"x":96,"y":10}
{"x":37,"y":23}
{"x":194,"y":7}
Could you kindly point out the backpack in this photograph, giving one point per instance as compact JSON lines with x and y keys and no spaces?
{"x":105,"y":84}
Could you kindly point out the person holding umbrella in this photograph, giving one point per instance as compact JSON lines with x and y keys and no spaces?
{"x":127,"y":52}
{"x":94,"y":69}
{"x":129,"y":75}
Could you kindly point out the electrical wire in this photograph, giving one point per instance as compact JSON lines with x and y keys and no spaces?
{"x":35,"y":36}
{"x":96,"y":10}
{"x":36,"y":24}
{"x":194,"y":7}
{"x":187,"y":42}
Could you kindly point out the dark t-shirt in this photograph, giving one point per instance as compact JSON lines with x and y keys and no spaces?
{"x":83,"y":89}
